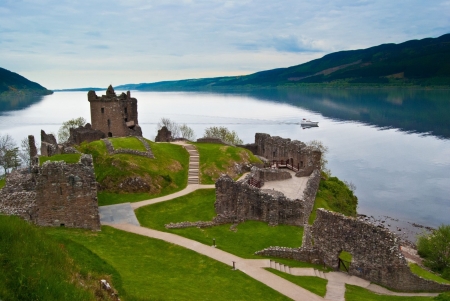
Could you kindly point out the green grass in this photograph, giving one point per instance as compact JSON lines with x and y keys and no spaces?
{"x":165,"y":174}
{"x":425,"y":274}
{"x":356,"y":293}
{"x":2,"y":182}
{"x":335,"y":196}
{"x":128,"y":142}
{"x":35,"y":267}
{"x":68,"y":158}
{"x":216,"y":159}
{"x":250,"y":236}
{"x":152,"y":269}
{"x":313,"y":284}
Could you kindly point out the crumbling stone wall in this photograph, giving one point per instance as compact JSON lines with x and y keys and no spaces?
{"x":238,"y":201}
{"x":376,"y":251}
{"x":18,"y":196}
{"x":376,"y":254}
{"x":164,"y":135}
{"x":112,"y":151}
{"x":270,"y":174}
{"x":84,"y":134}
{"x":49,"y":146}
{"x":294,"y":152}
{"x":213,"y":140}
{"x":114,"y":115}
{"x":54,"y":194}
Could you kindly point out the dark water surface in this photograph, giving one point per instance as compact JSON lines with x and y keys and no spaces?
{"x":394,"y":145}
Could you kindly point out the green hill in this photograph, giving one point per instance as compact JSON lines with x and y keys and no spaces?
{"x":424,"y":63}
{"x":14,"y":84}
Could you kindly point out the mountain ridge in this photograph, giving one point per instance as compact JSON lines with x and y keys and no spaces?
{"x":13,"y":84}
{"x":414,"y":63}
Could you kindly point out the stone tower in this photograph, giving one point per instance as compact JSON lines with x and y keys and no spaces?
{"x":114,"y":115}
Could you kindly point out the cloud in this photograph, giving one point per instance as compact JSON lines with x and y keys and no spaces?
{"x":291,"y":44}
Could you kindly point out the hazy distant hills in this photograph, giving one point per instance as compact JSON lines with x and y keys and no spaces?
{"x":12,"y":83}
{"x":423,"y":63}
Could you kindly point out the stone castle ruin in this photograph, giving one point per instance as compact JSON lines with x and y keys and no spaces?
{"x":114,"y":115}
{"x":303,"y":158}
{"x":54,"y":194}
{"x":240,"y":201}
{"x":375,"y":251}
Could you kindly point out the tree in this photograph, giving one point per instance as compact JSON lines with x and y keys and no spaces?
{"x":186,"y":132}
{"x":64,"y":130}
{"x":173,"y":127}
{"x":435,"y":248}
{"x":223,"y":133}
{"x":8,"y":153}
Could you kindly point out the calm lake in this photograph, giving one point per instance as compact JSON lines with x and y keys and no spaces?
{"x":394,"y":145}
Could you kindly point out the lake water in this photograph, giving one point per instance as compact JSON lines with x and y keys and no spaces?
{"x":394,"y":145}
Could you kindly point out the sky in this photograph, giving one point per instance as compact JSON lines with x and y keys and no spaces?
{"x":71,"y":44}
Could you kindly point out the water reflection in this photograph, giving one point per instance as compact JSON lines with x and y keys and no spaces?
{"x":420,"y":111}
{"x":17,"y":102}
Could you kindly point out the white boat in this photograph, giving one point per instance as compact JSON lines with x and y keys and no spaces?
{"x":307,"y":122}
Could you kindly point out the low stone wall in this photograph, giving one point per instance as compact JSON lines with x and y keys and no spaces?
{"x":112,"y":151}
{"x":213,"y":140}
{"x":238,"y":201}
{"x":198,"y":224}
{"x":299,"y":254}
{"x":270,"y":174}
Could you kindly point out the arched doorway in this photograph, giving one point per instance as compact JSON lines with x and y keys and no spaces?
{"x":109,"y":134}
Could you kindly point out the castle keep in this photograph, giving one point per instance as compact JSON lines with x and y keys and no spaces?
{"x":114,"y":115}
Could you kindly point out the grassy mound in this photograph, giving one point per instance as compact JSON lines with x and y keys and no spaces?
{"x":334,"y":195}
{"x":165,"y":174}
{"x":68,"y":158}
{"x":356,"y":293}
{"x":35,"y":267}
{"x":152,"y":269}
{"x":243,"y":241}
{"x":217,"y":159}
{"x":425,"y":274}
{"x":128,"y":142}
{"x":313,"y":284}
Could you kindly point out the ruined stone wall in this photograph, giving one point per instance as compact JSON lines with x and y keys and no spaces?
{"x":18,"y":196}
{"x":213,"y":140}
{"x":297,"y":153}
{"x":66,"y":194}
{"x":270,"y":174}
{"x":376,"y":252}
{"x":164,"y":135}
{"x":84,"y":134}
{"x":49,"y":146}
{"x":54,"y":194}
{"x":114,"y":115}
{"x":238,"y":201}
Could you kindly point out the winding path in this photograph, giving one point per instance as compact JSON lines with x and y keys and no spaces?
{"x":122,"y":217}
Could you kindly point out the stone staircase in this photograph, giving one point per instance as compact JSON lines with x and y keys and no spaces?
{"x":194,"y":164}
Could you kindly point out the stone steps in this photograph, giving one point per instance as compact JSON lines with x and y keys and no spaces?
{"x":194,"y":164}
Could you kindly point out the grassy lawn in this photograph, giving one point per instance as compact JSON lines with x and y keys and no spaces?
{"x":356,"y":293}
{"x":425,"y":274}
{"x":165,"y":174}
{"x":68,"y":158}
{"x":151,"y":269}
{"x":128,"y":142}
{"x":250,"y":236}
{"x":216,"y":159}
{"x":36,"y":267}
{"x":313,"y":284}
{"x":335,"y":196}
{"x":2,"y":182}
